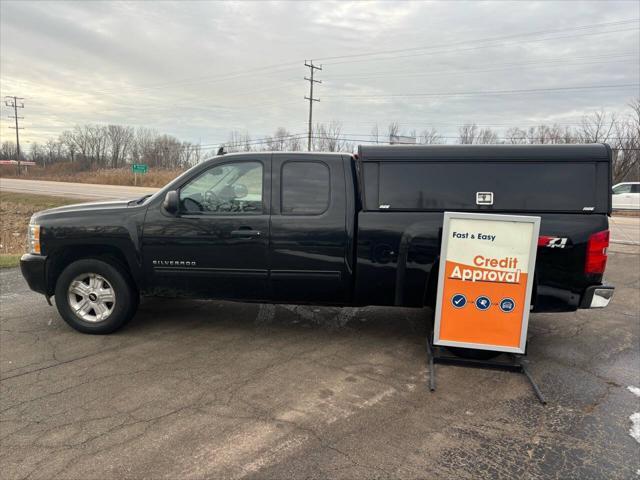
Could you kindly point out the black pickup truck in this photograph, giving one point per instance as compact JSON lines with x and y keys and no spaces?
{"x":323,"y":228}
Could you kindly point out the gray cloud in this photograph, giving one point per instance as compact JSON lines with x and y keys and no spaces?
{"x":200,"y":69}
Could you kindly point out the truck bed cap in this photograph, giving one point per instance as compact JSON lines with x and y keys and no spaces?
{"x":426,"y":153}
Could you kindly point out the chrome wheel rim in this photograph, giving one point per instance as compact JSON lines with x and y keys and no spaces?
{"x":91,"y":297}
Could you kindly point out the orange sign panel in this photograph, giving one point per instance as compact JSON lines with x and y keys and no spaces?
{"x":485,"y":280}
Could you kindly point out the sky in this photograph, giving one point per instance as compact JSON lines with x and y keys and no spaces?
{"x":198,"y":70}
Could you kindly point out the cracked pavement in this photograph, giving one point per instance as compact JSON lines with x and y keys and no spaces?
{"x":207,"y":389}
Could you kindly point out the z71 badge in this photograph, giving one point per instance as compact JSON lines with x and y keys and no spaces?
{"x":554,"y":242}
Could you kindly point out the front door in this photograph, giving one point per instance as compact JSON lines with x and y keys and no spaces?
{"x":216,"y":245}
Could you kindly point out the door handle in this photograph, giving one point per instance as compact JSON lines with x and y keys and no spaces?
{"x":245,"y":233}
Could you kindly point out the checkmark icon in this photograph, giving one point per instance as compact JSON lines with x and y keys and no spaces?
{"x":458,"y":300}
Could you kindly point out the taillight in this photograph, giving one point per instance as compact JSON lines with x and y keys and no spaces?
{"x":597,"y":252}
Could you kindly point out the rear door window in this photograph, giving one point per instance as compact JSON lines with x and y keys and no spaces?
{"x":305,"y":188}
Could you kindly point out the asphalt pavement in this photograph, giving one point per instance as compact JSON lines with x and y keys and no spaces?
{"x":209,"y":389}
{"x":625,"y":230}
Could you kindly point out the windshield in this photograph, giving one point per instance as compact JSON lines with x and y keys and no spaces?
{"x":178,"y":181}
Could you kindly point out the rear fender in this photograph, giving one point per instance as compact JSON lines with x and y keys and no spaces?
{"x":418,"y":254}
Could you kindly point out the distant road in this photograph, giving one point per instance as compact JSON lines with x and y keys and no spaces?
{"x":85,"y":191}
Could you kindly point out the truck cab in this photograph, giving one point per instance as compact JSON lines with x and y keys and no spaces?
{"x":258,"y":227}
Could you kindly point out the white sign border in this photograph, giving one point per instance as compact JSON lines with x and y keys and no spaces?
{"x":530,"y":274}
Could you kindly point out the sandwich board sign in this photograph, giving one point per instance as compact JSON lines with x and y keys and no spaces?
{"x":487,"y":262}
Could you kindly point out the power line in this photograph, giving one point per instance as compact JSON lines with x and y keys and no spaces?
{"x":479,"y":47}
{"x":485,"y":40}
{"x":16,"y":103}
{"x":495,"y":67}
{"x":311,"y":81}
{"x":486,"y":92}
{"x":276,"y":68}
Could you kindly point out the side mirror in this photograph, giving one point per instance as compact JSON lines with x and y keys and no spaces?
{"x":171,"y":202}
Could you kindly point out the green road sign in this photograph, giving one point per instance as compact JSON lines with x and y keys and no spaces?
{"x":139,"y":168}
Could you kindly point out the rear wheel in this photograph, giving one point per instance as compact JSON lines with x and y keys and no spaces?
{"x":95,"y":296}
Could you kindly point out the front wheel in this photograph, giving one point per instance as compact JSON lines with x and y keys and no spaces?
{"x":94,"y":296}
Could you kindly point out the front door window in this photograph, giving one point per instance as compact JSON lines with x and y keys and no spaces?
{"x":231,"y":188}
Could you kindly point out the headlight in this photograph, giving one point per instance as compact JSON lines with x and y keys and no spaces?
{"x":33,"y":239}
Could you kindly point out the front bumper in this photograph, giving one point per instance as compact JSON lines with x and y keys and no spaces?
{"x":597,"y":296}
{"x":34,"y":272}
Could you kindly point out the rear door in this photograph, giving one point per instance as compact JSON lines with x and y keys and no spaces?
{"x":309,"y":241}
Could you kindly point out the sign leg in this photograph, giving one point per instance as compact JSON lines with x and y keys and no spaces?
{"x":534,"y":385}
{"x":432,"y":368}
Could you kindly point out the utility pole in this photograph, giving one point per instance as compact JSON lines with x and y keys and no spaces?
{"x":16,"y":103}
{"x":311,"y":81}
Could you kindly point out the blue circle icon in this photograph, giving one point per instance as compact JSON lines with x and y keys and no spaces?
{"x":483,"y":303}
{"x":458,"y":300}
{"x":507,"y":305}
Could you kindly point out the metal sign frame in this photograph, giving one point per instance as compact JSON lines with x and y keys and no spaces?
{"x":535,"y":232}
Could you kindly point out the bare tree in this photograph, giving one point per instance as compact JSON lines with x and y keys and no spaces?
{"x":196,"y":154}
{"x":375,"y":134}
{"x":234,"y":144}
{"x":143,"y":146}
{"x":8,"y":151}
{"x":36,"y":154}
{"x":430,"y":136}
{"x":487,"y":136}
{"x":120,"y":139}
{"x":393,"y":130}
{"x":280,"y":139}
{"x":626,"y":146}
{"x":246,"y":142}
{"x":515,"y":135}
{"x":189,"y":155}
{"x":97,"y":142}
{"x":333,"y":137}
{"x":50,"y":148}
{"x":467,"y":133}
{"x":66,"y":139}
{"x":295,"y":144}
{"x":470,"y":133}
{"x":597,"y":127}
{"x":80,"y":138}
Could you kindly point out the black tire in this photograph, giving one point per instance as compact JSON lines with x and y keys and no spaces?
{"x":122,"y":309}
{"x":473,"y":353}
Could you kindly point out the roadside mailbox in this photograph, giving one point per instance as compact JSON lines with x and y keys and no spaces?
{"x":485,"y":279}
